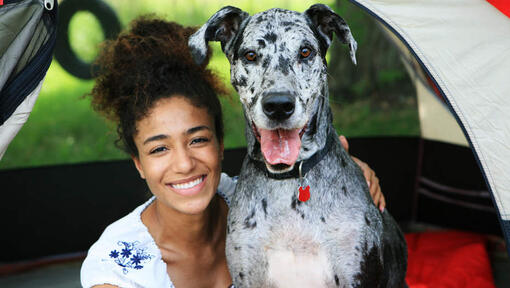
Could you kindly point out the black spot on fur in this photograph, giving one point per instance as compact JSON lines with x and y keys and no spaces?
{"x":242,"y":81}
{"x":337,"y":281}
{"x":282,"y":47}
{"x":237,"y":247}
{"x":266,"y":62}
{"x":253,"y":102}
{"x":367,"y":220}
{"x":287,"y":23}
{"x":270,"y":37}
{"x":370,"y":269}
{"x":259,"y":19}
{"x":252,"y":89}
{"x":249,"y":222}
{"x":293,"y":202}
{"x":262,"y":43}
{"x":344,"y":163}
{"x":302,"y":215}
{"x":264,"y":206}
{"x":283,"y":64}
{"x":241,"y":275}
{"x":344,"y":189}
{"x":287,"y":29}
{"x":323,"y":220}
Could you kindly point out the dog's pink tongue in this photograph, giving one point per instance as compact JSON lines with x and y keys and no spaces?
{"x":280,"y":146}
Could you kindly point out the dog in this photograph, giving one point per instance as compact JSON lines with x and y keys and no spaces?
{"x":301,"y":214}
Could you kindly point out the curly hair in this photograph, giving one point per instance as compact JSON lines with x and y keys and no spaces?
{"x":148,"y":62}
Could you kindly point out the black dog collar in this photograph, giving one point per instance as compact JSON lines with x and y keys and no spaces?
{"x":304,"y":165}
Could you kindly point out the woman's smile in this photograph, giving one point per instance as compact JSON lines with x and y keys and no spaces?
{"x":188,"y":187}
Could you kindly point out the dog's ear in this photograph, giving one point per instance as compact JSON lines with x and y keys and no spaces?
{"x":326,"y":21}
{"x":222,"y":26}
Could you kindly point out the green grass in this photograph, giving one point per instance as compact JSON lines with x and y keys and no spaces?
{"x":63,"y":128}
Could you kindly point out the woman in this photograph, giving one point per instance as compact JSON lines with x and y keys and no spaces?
{"x":169,"y":120}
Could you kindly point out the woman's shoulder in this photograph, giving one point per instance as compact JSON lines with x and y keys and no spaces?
{"x":125,"y":255}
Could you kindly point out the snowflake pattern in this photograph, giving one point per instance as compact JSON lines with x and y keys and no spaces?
{"x":130,"y":256}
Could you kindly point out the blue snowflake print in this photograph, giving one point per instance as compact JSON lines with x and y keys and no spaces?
{"x":114,"y":254}
{"x":130,"y":257}
{"x":126,"y":252}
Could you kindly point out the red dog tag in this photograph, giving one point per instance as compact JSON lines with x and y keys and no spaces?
{"x":304,"y":194}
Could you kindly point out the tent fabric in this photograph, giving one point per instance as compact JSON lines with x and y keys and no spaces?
{"x":464,"y":47}
{"x":12,"y":125}
{"x":436,"y":121}
{"x":28,"y":33}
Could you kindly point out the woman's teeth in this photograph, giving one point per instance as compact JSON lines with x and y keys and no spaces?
{"x":188,"y":185}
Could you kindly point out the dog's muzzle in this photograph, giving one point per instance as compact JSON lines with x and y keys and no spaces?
{"x":278,"y":106}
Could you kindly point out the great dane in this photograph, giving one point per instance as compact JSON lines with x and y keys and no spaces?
{"x":301,"y":214}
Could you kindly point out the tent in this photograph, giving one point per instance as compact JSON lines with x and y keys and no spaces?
{"x":458,"y":64}
{"x":28,"y":33}
{"x":467,"y":61}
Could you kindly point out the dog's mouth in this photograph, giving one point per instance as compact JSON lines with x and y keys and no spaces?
{"x":280,"y":147}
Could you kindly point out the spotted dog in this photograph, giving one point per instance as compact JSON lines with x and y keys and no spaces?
{"x":275,"y":238}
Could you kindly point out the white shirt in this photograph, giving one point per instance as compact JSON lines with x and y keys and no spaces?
{"x":127,"y":256}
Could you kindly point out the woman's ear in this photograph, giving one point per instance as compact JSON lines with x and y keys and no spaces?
{"x":138,"y":165}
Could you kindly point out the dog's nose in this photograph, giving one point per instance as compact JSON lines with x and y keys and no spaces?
{"x":278,"y":106}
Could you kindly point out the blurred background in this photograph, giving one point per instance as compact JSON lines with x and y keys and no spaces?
{"x":374,"y":98}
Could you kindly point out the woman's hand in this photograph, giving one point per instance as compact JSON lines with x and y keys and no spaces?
{"x":372,"y":180}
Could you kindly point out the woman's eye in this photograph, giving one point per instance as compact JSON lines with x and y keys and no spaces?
{"x":250,"y":56}
{"x":158,"y":150}
{"x":305,"y":52}
{"x":199,"y":140}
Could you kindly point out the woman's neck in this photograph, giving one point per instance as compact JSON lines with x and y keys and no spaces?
{"x":179,"y":232}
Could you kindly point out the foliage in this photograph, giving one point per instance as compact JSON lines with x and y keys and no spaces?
{"x":379,"y":75}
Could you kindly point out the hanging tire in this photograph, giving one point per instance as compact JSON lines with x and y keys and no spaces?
{"x":64,"y":54}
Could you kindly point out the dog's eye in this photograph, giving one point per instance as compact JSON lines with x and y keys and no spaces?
{"x":250,"y":56}
{"x":305,"y":52}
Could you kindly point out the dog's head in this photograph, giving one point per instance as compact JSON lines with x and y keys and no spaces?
{"x":278,"y":67}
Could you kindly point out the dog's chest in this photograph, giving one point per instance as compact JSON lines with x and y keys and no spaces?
{"x":298,"y":243}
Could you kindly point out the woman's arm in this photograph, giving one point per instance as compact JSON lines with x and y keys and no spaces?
{"x":372,"y":180}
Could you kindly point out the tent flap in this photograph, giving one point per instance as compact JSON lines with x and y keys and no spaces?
{"x":463,"y":47}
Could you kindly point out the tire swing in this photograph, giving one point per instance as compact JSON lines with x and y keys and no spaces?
{"x":64,"y":54}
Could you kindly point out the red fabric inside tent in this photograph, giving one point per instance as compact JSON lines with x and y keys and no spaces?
{"x":502,"y":5}
{"x":450,"y":259}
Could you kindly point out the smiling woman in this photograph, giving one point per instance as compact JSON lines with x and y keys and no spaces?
{"x":169,"y":120}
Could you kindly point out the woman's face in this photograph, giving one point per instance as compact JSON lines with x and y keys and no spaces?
{"x":179,"y":154}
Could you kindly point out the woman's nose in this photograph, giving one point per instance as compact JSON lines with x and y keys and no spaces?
{"x":183,"y":161}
